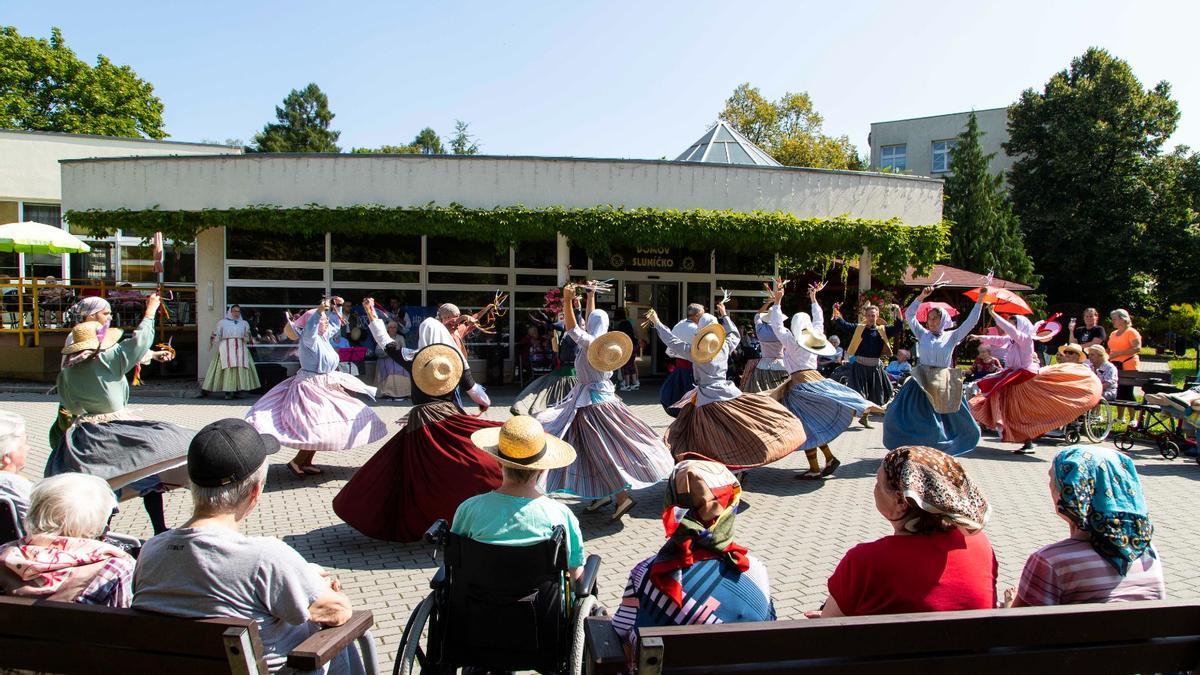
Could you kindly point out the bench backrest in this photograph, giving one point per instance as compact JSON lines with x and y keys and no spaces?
{"x":59,"y":637}
{"x":11,"y":527}
{"x":1160,"y":636}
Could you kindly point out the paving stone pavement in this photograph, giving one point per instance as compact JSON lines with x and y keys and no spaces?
{"x":798,"y":529}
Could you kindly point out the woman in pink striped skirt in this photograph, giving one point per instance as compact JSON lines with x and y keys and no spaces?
{"x":313,"y":410}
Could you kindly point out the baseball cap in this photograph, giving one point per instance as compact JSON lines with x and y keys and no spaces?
{"x":226,"y":452}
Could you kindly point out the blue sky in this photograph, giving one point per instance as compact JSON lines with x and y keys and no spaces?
{"x":617,"y":79}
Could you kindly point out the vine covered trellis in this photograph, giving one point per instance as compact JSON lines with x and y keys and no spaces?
{"x":806,"y":242}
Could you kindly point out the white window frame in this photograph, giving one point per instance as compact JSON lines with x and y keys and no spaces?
{"x":947,"y":145}
{"x":889,"y":162}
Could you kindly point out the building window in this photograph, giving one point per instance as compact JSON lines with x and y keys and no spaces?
{"x":941,"y":156}
{"x":893,"y":158}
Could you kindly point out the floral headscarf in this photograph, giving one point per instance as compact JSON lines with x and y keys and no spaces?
{"x":1100,"y":492}
{"x":695,"y":488}
{"x":938,"y":485}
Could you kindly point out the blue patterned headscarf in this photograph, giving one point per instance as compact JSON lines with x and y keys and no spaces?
{"x":1100,"y":492}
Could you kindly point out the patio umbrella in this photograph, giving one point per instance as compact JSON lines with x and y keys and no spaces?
{"x":926,"y":307}
{"x":29,"y":237}
{"x":1002,"y":300}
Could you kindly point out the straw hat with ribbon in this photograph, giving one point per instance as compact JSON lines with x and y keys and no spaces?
{"x":436,"y":370}
{"x":707,"y":343}
{"x":610,"y":351}
{"x":522,"y":443}
{"x":86,"y":336}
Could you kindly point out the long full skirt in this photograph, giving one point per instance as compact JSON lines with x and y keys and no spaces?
{"x":315,"y":412}
{"x":230,"y":379}
{"x":120,"y":451}
{"x":747,"y":431}
{"x":391,"y":380}
{"x":615,"y":450}
{"x":545,"y":392}
{"x":762,"y":379}
{"x":420,"y":475}
{"x":825,"y":408}
{"x":1057,"y":395}
{"x":872,"y":382}
{"x":677,"y":384}
{"x":911,"y":420}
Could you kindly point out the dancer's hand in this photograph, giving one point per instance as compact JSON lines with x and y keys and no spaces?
{"x":152,"y":304}
{"x":813,"y":289}
{"x":925,"y":292}
{"x":368,"y":304}
{"x":652,"y":317}
{"x":162,"y":357}
{"x":721,"y":313}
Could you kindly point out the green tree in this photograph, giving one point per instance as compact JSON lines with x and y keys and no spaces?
{"x":44,"y":86}
{"x":462,"y":142}
{"x":788,"y":129}
{"x":428,"y":142}
{"x":1174,"y":228}
{"x":985,"y":234}
{"x":1086,"y":149}
{"x":386,"y":150}
{"x":303,"y":124}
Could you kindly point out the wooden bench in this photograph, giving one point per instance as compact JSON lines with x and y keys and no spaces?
{"x":59,"y":637}
{"x":1150,"y":383}
{"x":1145,"y":637}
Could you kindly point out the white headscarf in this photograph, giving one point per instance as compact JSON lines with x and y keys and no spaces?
{"x":80,"y":311}
{"x":597,"y":323}
{"x":947,"y":322}
{"x":801,"y":321}
{"x":705,"y":320}
{"x":230,"y":327}
{"x":433,"y":332}
{"x":685,"y":330}
{"x":1024,"y":326}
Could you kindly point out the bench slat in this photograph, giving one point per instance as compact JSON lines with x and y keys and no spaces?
{"x":70,"y":657}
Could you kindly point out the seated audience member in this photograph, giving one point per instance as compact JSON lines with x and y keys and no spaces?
{"x":700,"y":565}
{"x":1098,"y":360}
{"x":1108,"y":556}
{"x":61,"y":556}
{"x":985,"y":364}
{"x":899,"y":366}
{"x":13,"y":447}
{"x":1070,"y":353}
{"x":838,"y":356}
{"x":517,"y":513}
{"x":207,"y":569}
{"x":937,"y":560}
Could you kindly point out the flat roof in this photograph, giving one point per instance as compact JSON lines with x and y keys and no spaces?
{"x":65,"y":134}
{"x":250,"y":156}
{"x":929,"y":117}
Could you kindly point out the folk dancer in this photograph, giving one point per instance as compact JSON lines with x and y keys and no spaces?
{"x":618,"y":452}
{"x":96,"y":433}
{"x":826,"y":408}
{"x":546,"y":391}
{"x":769,"y":370}
{"x":314,"y":410}
{"x":232,"y":368}
{"x":930,"y":410}
{"x":870,"y":342}
{"x":680,"y":380}
{"x":716,"y":420}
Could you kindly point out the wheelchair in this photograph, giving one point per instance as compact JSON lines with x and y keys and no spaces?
{"x":1094,"y":425}
{"x":500,"y":608}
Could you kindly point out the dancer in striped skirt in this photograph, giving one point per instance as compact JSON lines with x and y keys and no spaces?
{"x":618,"y":452}
{"x":313,"y":410}
{"x":769,"y":370}
{"x":825,"y":407}
{"x":680,"y":380}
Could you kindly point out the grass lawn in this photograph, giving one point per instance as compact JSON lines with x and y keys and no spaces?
{"x":1182,"y":366}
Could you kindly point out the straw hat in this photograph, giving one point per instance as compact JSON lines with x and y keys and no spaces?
{"x":83,"y":336}
{"x":815,"y":342}
{"x":436,"y":370}
{"x":707,"y":343}
{"x":522,"y":444}
{"x":290,"y":331}
{"x":610,"y":351}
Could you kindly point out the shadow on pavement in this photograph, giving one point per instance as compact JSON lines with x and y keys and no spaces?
{"x":1179,"y":467}
{"x":280,"y":478}
{"x":342,"y":546}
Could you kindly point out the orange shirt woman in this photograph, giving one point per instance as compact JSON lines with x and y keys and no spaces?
{"x":1124,"y":343}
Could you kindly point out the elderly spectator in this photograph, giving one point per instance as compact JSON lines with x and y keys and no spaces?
{"x":13,"y":447}
{"x":1124,"y":346}
{"x":937,"y":559}
{"x":899,"y":366}
{"x":837,"y":358}
{"x":1091,"y":333}
{"x":1070,"y":353}
{"x":1097,"y":357}
{"x":985,"y":364}
{"x":700,"y":565}
{"x":1108,"y":556}
{"x":61,"y":556}
{"x":208,"y":569}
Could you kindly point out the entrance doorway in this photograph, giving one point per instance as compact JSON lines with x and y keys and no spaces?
{"x":663,"y":297}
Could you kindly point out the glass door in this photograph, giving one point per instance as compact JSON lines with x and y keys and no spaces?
{"x":663,"y":297}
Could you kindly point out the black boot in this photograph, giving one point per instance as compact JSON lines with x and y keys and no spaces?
{"x":153,"y":503}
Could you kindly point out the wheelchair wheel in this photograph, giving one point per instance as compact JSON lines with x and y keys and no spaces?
{"x":1097,"y":422}
{"x":409,"y":653}
{"x":1169,"y":449}
{"x":1071,"y":436}
{"x":1124,"y":441}
{"x":587,"y":607}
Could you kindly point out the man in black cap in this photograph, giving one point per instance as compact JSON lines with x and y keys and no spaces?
{"x":208,"y":569}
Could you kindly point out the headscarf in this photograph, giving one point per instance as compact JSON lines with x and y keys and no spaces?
{"x":229,"y":315}
{"x":1100,"y":492}
{"x":597,"y":323}
{"x":763,"y":330}
{"x":433,"y":332}
{"x":685,"y":330}
{"x":1024,"y":327}
{"x":706,"y":319}
{"x":79,"y":313}
{"x":696,"y":487}
{"x":937,"y":484}
{"x":235,"y":326}
{"x":947,"y":323}
{"x":801,"y":322}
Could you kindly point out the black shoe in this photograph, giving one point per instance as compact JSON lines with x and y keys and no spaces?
{"x":830,"y":467}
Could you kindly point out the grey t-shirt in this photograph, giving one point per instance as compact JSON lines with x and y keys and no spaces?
{"x":17,"y":488}
{"x":214,"y":572}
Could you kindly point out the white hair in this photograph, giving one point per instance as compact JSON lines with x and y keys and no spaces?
{"x":447,"y":311}
{"x":226,"y":498}
{"x":70,"y":505}
{"x":1120,"y":314}
{"x":12,"y":432}
{"x":835,"y":340}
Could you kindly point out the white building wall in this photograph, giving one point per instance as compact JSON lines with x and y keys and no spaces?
{"x":193,"y":183}
{"x":29,"y":160}
{"x":919,"y":134}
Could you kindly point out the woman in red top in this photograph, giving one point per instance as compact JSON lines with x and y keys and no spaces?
{"x":937,"y":560}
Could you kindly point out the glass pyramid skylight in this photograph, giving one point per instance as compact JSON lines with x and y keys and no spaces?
{"x":724,"y":145}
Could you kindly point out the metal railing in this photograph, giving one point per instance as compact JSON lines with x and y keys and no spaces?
{"x":32,"y":307}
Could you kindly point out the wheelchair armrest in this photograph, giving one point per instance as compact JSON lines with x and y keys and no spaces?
{"x":604,"y":650}
{"x":439,"y":579}
{"x":587,"y":581}
{"x":436,"y":534}
{"x":126,"y":542}
{"x":322,"y":646}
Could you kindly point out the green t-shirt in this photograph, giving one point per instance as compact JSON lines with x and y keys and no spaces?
{"x":495,"y":518}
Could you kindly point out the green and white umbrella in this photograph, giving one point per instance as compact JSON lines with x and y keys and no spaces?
{"x":30,"y":237}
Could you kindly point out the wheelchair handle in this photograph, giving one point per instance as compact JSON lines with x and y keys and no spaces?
{"x":437,"y":533}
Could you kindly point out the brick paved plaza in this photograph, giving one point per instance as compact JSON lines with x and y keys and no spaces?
{"x":799,"y":529}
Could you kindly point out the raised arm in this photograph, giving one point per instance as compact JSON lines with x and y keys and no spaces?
{"x":910,"y":315}
{"x":1006,"y":326}
{"x":732,"y":336}
{"x":672,"y":341}
{"x":378,"y":331}
{"x":569,"y":319}
{"x":126,"y":355}
{"x":964,"y":329}
{"x":779,"y":325}
{"x":818,"y":316}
